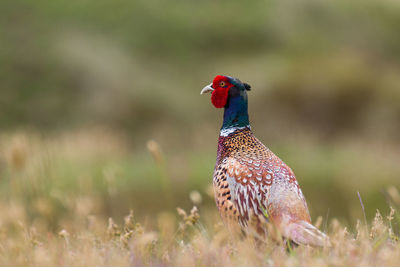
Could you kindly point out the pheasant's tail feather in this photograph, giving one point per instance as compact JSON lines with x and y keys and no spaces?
{"x":303,"y":232}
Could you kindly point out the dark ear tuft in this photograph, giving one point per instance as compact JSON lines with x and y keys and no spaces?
{"x":247,"y":86}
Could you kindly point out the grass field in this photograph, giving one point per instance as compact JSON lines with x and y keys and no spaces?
{"x":95,"y":242}
{"x":71,"y":199}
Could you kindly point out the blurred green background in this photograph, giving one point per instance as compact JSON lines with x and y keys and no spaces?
{"x":85,"y":85}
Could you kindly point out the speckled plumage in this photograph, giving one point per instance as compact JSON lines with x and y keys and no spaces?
{"x":249,"y":179}
{"x":252,"y":185}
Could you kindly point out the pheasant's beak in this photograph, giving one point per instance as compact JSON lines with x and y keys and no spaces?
{"x":207,"y":89}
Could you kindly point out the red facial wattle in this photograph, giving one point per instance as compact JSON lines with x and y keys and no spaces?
{"x":219,"y":96}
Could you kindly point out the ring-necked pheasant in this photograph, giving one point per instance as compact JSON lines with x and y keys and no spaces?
{"x":251,"y":183}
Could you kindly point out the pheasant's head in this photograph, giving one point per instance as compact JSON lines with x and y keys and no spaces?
{"x":224,"y":87}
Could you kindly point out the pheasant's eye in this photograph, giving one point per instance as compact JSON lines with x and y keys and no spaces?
{"x":222,"y":84}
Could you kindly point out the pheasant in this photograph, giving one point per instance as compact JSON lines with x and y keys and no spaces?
{"x":251,"y":184}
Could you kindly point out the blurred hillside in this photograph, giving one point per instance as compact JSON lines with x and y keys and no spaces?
{"x":84,"y":85}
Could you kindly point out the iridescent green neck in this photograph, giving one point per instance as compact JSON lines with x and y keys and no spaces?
{"x":235,"y":113}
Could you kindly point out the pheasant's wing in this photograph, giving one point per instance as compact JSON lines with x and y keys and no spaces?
{"x":241,"y":191}
{"x":249,"y":192}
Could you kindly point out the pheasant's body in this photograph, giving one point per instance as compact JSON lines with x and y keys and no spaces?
{"x":251,"y":184}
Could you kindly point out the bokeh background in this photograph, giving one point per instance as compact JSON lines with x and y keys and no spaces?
{"x":100,"y":109}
